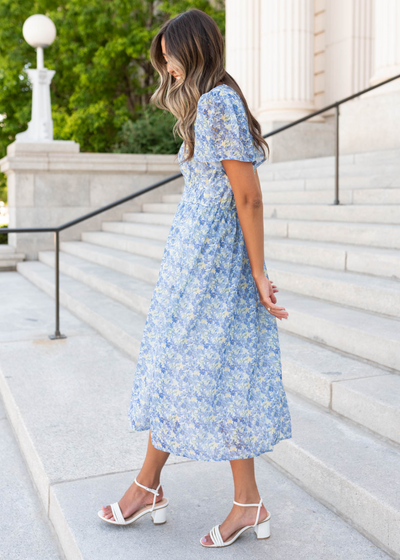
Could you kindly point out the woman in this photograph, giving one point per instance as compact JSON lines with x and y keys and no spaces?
{"x":208,"y":381}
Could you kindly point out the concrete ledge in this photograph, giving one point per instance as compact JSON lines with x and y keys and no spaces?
{"x":25,"y":530}
{"x":50,"y":184}
{"x":9,"y":258}
{"x":346,"y":470}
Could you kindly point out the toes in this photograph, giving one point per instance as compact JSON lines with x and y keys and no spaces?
{"x":207,"y":540}
{"x":107,"y":512}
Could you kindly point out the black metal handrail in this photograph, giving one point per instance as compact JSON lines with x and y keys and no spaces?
{"x":56,"y":230}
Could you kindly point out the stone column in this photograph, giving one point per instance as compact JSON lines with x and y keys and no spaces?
{"x":387,"y":43}
{"x":243,"y":47}
{"x":348,"y":48}
{"x":287,"y":59}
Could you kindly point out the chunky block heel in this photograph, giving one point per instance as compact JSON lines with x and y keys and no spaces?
{"x":159,"y":516}
{"x":262,"y":530}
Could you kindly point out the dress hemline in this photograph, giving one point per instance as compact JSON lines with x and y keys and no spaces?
{"x":200,"y":457}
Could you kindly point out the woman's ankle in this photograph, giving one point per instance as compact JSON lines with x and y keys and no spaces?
{"x":247,"y":497}
{"x":148,"y":480}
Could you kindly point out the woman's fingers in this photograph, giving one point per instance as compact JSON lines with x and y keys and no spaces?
{"x":274,"y":288}
{"x":277,"y":311}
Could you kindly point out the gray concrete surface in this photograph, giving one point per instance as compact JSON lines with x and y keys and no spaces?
{"x":200,"y":497}
{"x":64,"y":392}
{"x":365,"y":335}
{"x":25,"y":531}
{"x":377,"y":261}
{"x":380,"y":295}
{"x":68,"y":401}
{"x":345,"y":466}
{"x":339,"y":367}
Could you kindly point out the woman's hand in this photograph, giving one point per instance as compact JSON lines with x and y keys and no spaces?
{"x":266,"y":290}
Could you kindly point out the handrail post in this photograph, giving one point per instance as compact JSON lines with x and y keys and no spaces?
{"x":57,"y":333}
{"x":336,"y":201}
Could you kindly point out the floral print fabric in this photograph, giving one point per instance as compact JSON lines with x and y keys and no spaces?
{"x":208,"y":381}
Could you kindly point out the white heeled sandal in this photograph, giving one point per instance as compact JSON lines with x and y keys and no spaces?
{"x":262,"y":530}
{"x":158,"y":512}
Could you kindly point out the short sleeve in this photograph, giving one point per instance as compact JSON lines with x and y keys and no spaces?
{"x":222,"y":131}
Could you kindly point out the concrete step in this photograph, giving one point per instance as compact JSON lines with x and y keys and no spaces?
{"x":336,"y":256}
{"x":302,"y":363}
{"x":75,"y":479}
{"x":366,"y":335}
{"x":372,"y":337}
{"x":371,"y":235}
{"x":354,"y":389}
{"x":345,"y":468}
{"x":121,"y":326}
{"x":273,"y":227}
{"x":309,"y":461}
{"x":149,"y":217}
{"x":25,"y":531}
{"x":134,"y":293}
{"x":148,"y":231}
{"x":303,"y":359}
{"x":376,"y":196}
{"x":333,"y":473}
{"x":360,"y":159}
{"x":333,"y":256}
{"x":142,"y":268}
{"x":355,"y":196}
{"x":324,"y":180}
{"x":379,"y":214}
{"x":301,"y":355}
{"x":368,"y":169}
{"x":375,"y":235}
{"x":368,"y":293}
{"x":152,"y":249}
{"x":8,"y":257}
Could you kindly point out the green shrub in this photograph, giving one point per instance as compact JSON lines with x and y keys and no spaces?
{"x":149,"y":133}
{"x":3,"y":236}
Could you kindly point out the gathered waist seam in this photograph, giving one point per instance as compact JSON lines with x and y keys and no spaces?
{"x":215,"y":203}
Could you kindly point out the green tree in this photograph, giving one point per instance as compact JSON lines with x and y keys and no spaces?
{"x":104,"y":78}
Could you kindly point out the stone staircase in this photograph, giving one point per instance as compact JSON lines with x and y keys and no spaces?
{"x":338,"y":272}
{"x":9,"y":257}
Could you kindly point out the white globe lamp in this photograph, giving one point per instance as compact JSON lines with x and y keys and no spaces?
{"x":39,"y":32}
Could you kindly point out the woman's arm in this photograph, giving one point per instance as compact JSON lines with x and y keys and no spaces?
{"x":249,"y":204}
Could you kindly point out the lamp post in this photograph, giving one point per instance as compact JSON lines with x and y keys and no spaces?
{"x":39,"y":32}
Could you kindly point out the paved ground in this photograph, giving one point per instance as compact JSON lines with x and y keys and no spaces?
{"x":25,"y":531}
{"x":68,"y":403}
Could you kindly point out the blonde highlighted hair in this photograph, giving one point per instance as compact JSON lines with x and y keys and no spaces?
{"x":195,"y":48}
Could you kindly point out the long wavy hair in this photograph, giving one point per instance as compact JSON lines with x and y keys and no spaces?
{"x":195,"y":48}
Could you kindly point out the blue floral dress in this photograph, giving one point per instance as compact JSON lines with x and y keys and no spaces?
{"x":208,"y":381}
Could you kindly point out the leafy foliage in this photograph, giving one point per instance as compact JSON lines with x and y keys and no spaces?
{"x":3,"y":236}
{"x":104,"y":78}
{"x":149,"y":134}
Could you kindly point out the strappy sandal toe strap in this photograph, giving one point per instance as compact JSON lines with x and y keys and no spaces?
{"x":158,"y":512}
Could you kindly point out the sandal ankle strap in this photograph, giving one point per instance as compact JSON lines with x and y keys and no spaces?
{"x":252,"y":505}
{"x":149,"y":489}
{"x":155,"y":492}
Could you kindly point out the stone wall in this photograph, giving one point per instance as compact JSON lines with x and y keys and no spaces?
{"x":52,"y":183}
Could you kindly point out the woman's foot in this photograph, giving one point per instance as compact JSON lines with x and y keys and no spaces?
{"x":238,"y":518}
{"x":134,"y":499}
